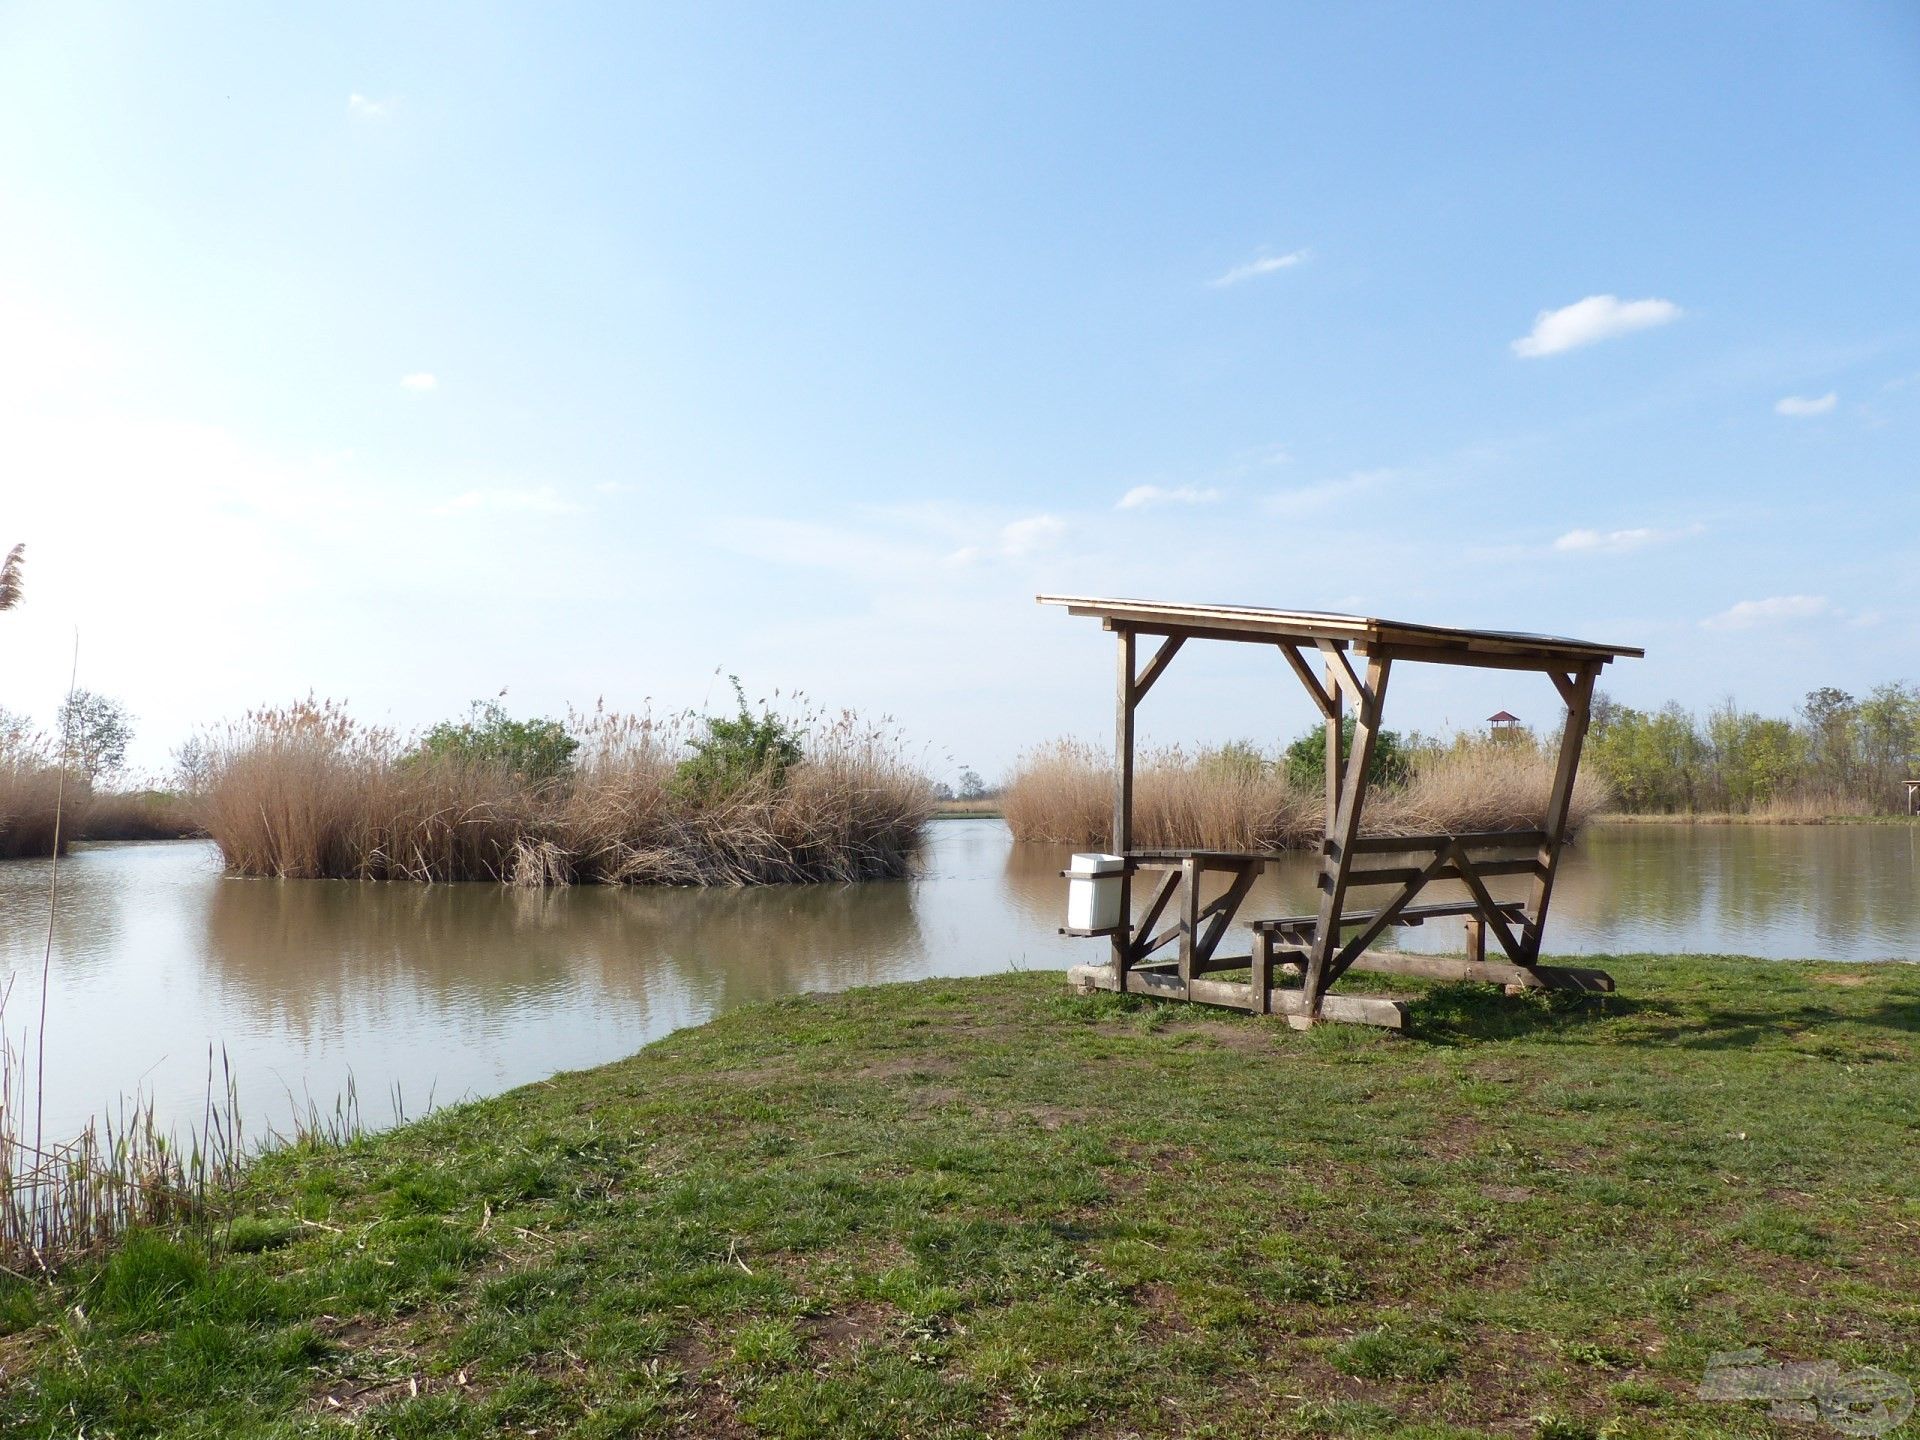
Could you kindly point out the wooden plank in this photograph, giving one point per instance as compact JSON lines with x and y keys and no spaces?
{"x":1491,"y":911}
{"x":1451,"y":967}
{"x":1224,"y":909}
{"x":1261,"y":979}
{"x":1189,"y":916}
{"x":1257,"y":622}
{"x":1321,"y":700}
{"x":1412,"y":915}
{"x":1400,"y":874}
{"x":1152,"y":917}
{"x":1157,"y":666}
{"x":1382,"y":918}
{"x":1123,"y":795}
{"x":1341,"y":671}
{"x":1471,"y":839}
{"x":1573,"y":737}
{"x":1381,"y":1010}
{"x":1343,"y":831}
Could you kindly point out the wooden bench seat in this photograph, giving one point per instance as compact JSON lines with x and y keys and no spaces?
{"x":1297,"y":927}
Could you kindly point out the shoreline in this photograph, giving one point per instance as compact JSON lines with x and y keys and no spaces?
{"x":987,"y":1206}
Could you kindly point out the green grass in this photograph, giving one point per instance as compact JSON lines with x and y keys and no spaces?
{"x":988,"y":1207}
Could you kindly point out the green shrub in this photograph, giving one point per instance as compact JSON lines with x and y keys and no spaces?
{"x":537,"y":749}
{"x":1306,"y":760}
{"x":738,"y":751}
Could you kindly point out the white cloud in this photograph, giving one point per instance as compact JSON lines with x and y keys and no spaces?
{"x":1598,"y":317}
{"x":533,"y":500}
{"x":1618,"y":542}
{"x":1774,"y":610}
{"x":1799,"y":407}
{"x":362,"y":107}
{"x":420,"y":380}
{"x":1142,"y":496}
{"x":1254,"y":269}
{"x":1036,"y":532}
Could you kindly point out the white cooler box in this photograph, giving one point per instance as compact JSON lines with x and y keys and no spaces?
{"x":1093,"y":891}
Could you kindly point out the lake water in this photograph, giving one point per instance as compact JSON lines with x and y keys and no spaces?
{"x":459,"y":990}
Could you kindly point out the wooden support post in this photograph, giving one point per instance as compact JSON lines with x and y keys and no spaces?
{"x":1343,"y":826}
{"x":1262,"y":978}
{"x":1190,"y":873}
{"x":1476,"y":939}
{"x":1123,"y":804}
{"x":1578,"y":691}
{"x":1335,"y":760}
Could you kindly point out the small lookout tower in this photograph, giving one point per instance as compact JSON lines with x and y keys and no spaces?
{"x":1503,"y":724}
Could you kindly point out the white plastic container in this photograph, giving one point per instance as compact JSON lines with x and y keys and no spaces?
{"x":1093,"y":891}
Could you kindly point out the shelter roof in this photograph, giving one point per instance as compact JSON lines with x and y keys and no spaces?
{"x":1448,"y":645}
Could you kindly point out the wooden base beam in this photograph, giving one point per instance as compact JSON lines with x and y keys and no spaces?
{"x":1377,"y":1010}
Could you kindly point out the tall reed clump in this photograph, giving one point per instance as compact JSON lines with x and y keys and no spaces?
{"x":1237,"y":797}
{"x":304,"y":791}
{"x":30,"y":787}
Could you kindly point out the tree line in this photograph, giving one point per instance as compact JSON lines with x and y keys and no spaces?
{"x":1837,"y":752}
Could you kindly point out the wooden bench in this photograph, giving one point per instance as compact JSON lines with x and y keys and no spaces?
{"x":1298,"y":929}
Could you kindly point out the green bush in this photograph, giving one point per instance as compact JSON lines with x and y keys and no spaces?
{"x":738,"y":751}
{"x":1306,"y":760}
{"x":537,"y":749}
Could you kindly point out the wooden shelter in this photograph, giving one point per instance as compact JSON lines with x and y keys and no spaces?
{"x":1356,"y":656}
{"x":1913,"y":797}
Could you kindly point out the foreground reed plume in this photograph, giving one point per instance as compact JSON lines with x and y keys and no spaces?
{"x":10,"y":579}
{"x":305,"y":791}
{"x":1235,"y":798}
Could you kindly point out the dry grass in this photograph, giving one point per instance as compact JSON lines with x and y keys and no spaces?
{"x":1800,"y":808}
{"x":306,"y":792}
{"x":1063,"y":793}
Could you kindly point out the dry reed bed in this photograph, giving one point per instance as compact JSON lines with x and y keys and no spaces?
{"x":1063,"y":793}
{"x":306,"y":792}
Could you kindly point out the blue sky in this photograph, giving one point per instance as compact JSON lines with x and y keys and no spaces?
{"x":403,"y":353}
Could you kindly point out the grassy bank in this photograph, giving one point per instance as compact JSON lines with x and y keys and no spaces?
{"x":987,"y":1207}
{"x":1238,"y":798}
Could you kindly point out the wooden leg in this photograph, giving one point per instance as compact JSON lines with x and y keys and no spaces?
{"x":1262,"y":972}
{"x":1190,"y":873}
{"x":1476,"y":938}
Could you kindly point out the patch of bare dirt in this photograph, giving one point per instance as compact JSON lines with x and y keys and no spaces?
{"x":846,"y":1330}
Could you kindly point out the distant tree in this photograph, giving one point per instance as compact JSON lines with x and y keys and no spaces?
{"x":972,"y":787}
{"x":192,"y":765}
{"x":942,"y":790}
{"x":1306,"y":758}
{"x":96,"y":731}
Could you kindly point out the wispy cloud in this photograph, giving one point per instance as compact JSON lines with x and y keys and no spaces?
{"x":420,"y":380}
{"x":1774,"y":610}
{"x":1321,"y":494}
{"x":1799,"y":407}
{"x":364,"y":107}
{"x":1141,"y":497}
{"x":1598,"y":317}
{"x":1619,"y":542}
{"x":1035,"y":532}
{"x":1255,"y":268}
{"x":533,"y":500}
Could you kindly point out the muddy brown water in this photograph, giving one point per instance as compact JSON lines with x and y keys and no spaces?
{"x":452,"y":991}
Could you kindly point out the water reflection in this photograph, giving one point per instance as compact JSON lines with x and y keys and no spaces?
{"x":469,"y":989}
